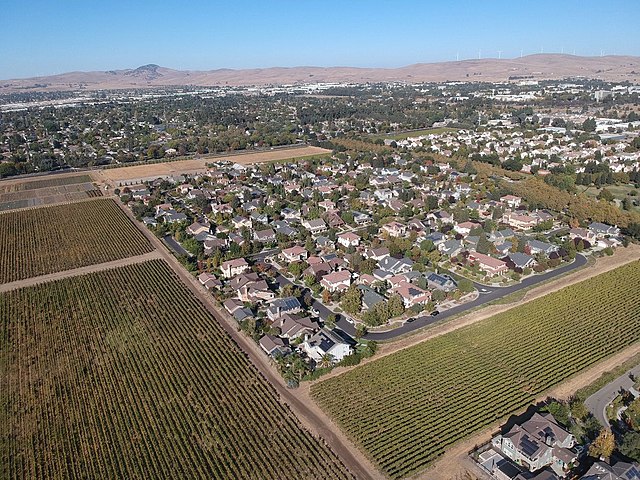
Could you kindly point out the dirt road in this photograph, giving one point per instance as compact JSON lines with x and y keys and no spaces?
{"x":456,"y":461}
{"x":27,"y":282}
{"x":621,"y":257}
{"x":311,"y":417}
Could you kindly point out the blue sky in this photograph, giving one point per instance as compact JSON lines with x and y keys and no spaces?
{"x":41,"y":37}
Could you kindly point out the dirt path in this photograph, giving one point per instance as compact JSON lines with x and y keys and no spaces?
{"x":621,"y":257}
{"x":311,"y":417}
{"x":27,"y":282}
{"x":456,"y":461}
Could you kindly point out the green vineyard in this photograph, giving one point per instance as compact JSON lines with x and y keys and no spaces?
{"x":51,"y":239}
{"x":407,"y":408}
{"x":138,"y":382}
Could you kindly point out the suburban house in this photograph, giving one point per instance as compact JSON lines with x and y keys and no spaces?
{"x":294,"y":254}
{"x":411,"y":294}
{"x":489,"y":265}
{"x":519,"y":261}
{"x":602,"y":229}
{"x":370,"y":298}
{"x":231,"y":268}
{"x":274,"y":346}
{"x":450,"y":248}
{"x":315,"y":226}
{"x":326,"y":342}
{"x":334,"y":281}
{"x":511,"y":200}
{"x":441,"y":282}
{"x":520,"y":221}
{"x":396,"y":265}
{"x":349,"y":239}
{"x":239,"y":222}
{"x":377,"y":253}
{"x":395,"y":229}
{"x":465,"y":228}
{"x":197,"y":228}
{"x":294,"y":326}
{"x":209,"y":281}
{"x":265,"y":236}
{"x":537,"y":443}
{"x":280,"y":306}
{"x":536,"y":246}
{"x":583,"y":234}
{"x":617,"y":471}
{"x":251,"y":287}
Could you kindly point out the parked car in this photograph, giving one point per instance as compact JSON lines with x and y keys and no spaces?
{"x":410,"y":319}
{"x":434,"y":313}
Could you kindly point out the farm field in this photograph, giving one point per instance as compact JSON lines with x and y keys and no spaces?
{"x":406,"y":409}
{"x":21,"y":194}
{"x":151,"y":171}
{"x":416,"y":133}
{"x":138,"y":381}
{"x":51,"y":239}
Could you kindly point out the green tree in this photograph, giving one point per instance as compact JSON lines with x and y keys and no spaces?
{"x":605,"y":195}
{"x":465,"y":285}
{"x":352,"y":300}
{"x":631,"y":445}
{"x":589,"y":125}
{"x":395,"y":305}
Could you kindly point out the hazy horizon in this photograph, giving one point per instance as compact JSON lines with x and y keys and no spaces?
{"x":83,"y":36}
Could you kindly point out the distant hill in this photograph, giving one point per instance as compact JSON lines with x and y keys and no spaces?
{"x":542,"y":66}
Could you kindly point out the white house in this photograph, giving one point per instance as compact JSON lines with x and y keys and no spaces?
{"x":349,"y":239}
{"x":326,"y":342}
{"x":334,"y":281}
{"x":231,"y":268}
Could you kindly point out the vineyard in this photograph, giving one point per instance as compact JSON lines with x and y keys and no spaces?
{"x":51,"y":239}
{"x":138,"y":381}
{"x":45,"y":183}
{"x":407,"y":408}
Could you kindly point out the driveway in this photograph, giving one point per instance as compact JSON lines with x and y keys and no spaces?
{"x":597,"y":403}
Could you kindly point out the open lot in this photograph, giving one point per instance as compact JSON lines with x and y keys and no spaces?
{"x":47,"y":190}
{"x":138,"y":381}
{"x":50,"y":239}
{"x":152,"y":171}
{"x":416,"y":133}
{"x":407,"y":408}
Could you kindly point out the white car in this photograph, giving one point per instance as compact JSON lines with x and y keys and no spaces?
{"x":315,"y":312}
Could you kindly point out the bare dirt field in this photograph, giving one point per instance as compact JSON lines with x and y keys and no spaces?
{"x":45,"y":190}
{"x":193,"y":166}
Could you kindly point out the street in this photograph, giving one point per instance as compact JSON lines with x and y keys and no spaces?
{"x":597,"y":403}
{"x":486,"y":295}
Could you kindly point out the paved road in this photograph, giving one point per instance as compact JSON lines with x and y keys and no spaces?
{"x":489,"y":295}
{"x":175,"y":246}
{"x":597,"y":403}
{"x":486,"y":295}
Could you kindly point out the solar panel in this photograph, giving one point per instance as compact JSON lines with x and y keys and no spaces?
{"x":528,"y":446}
{"x":633,"y":474}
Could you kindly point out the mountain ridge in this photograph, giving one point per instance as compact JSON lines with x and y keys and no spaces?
{"x":537,"y":66}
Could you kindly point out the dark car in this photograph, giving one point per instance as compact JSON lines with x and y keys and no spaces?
{"x":410,"y":319}
{"x":434,"y":313}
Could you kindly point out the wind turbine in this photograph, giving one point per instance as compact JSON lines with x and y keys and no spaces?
{"x":499,"y":54}
{"x":479,"y":53}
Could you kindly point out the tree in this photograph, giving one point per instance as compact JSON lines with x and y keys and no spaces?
{"x":603,"y":445}
{"x":330,"y":321}
{"x":631,"y":445}
{"x":361,"y":331}
{"x":326,"y":360}
{"x":352,"y":300}
{"x":438,"y":295}
{"x":395,"y":305}
{"x":605,"y":195}
{"x":484,"y":246}
{"x":465,"y":285}
{"x":589,"y":125}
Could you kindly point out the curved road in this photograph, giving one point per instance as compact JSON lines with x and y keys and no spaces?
{"x":489,"y":294}
{"x":597,"y":403}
